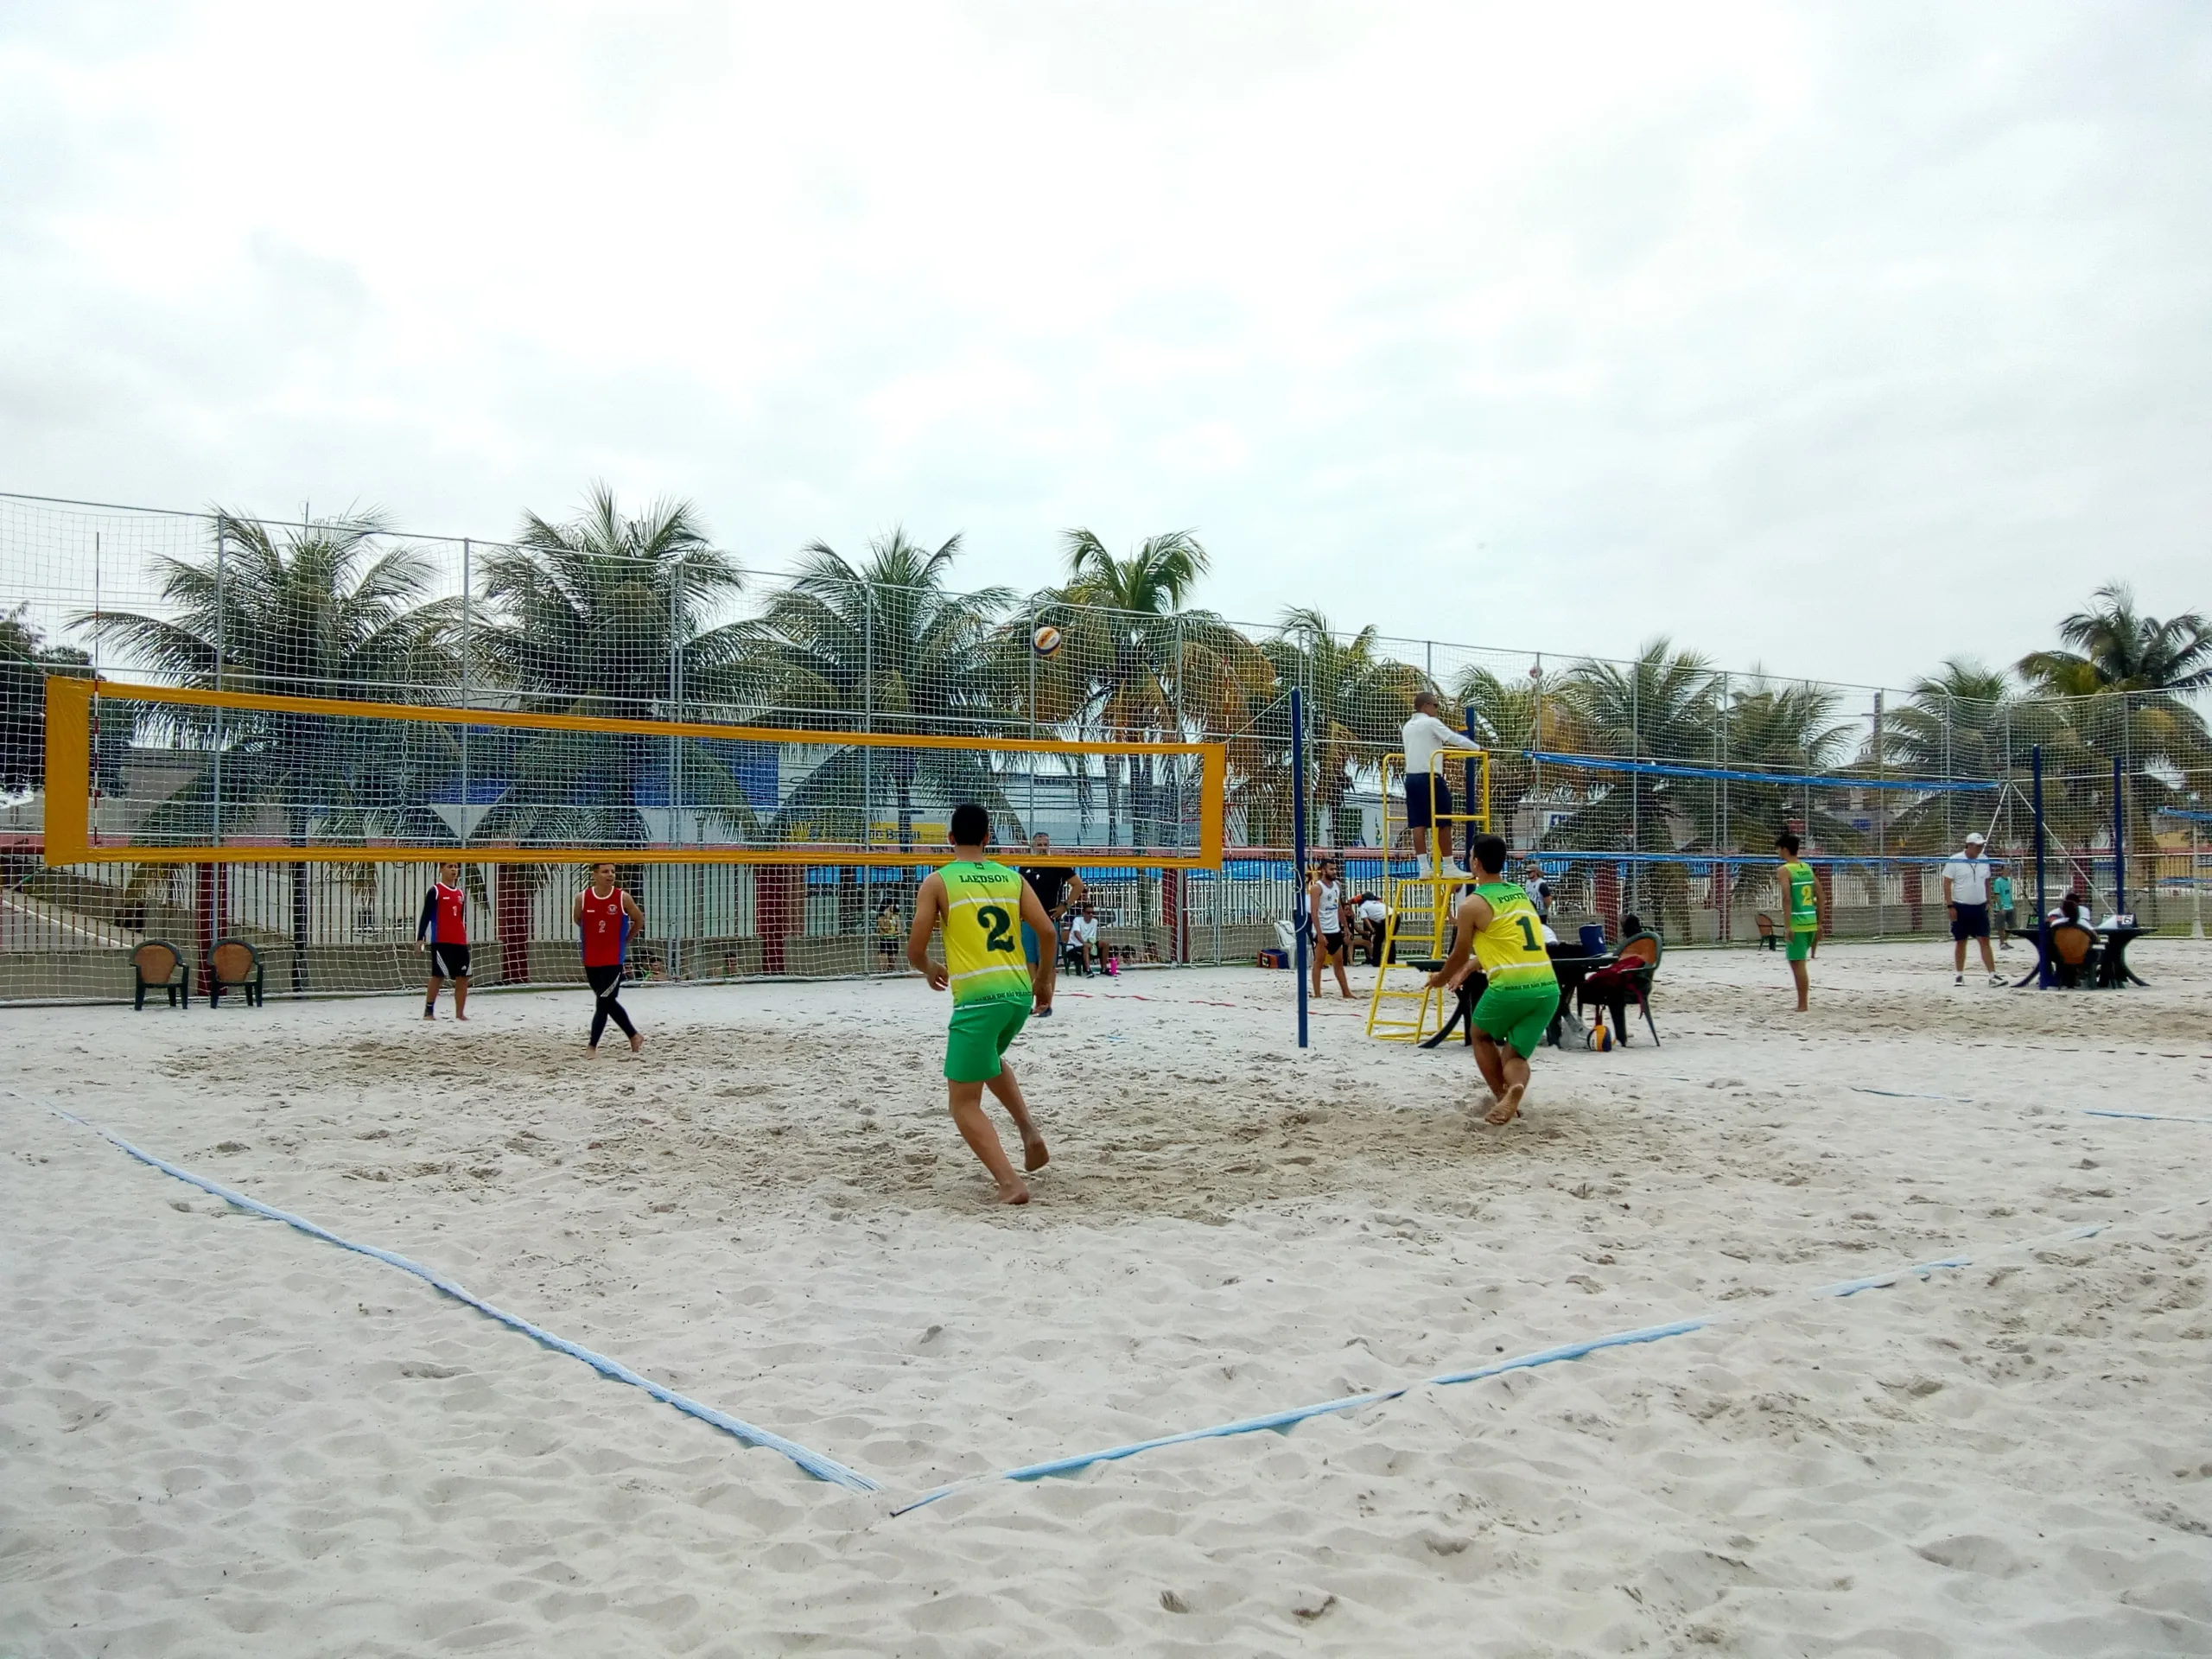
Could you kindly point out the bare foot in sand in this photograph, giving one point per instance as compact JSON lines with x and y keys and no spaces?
{"x":1033,"y":1155}
{"x":1018,"y":1194}
{"x":427,"y":1014}
{"x":462,"y":1017}
{"x":591,"y":1051}
{"x":637,"y":1041}
{"x":1507,"y":1107}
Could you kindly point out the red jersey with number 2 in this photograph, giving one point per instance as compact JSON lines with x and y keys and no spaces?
{"x":607,"y":930}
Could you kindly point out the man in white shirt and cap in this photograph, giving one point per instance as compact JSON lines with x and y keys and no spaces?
{"x":1966,"y":895}
{"x":1424,"y":737}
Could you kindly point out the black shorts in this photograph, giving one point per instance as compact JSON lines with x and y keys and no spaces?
{"x":1970,"y":922}
{"x":1418,"y":805}
{"x":448,"y":961}
{"x":1335,"y":943}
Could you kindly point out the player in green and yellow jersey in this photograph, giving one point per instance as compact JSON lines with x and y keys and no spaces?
{"x":982,"y":906}
{"x":1801,"y":898}
{"x":1500,"y":927}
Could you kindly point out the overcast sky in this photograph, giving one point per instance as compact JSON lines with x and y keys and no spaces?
{"x":1843,"y":338}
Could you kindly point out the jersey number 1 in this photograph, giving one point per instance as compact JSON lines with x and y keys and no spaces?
{"x":1528,"y":933}
{"x":998,"y":928}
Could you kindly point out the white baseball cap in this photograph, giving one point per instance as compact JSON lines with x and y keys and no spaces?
{"x":1975,"y":838}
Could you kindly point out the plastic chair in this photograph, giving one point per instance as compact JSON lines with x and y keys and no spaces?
{"x":1630,"y":976}
{"x":2074,"y":953}
{"x":1770,"y":936}
{"x":234,"y":963}
{"x":157,"y":965}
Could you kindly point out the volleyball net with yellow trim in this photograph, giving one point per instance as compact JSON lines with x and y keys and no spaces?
{"x":153,"y":774}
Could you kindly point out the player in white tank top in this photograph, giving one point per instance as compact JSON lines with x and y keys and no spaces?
{"x":1325,"y":904}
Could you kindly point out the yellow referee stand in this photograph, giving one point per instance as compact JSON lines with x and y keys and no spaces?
{"x":1420,"y":919}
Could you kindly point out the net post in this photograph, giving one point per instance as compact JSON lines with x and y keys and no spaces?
{"x":1298,"y":849}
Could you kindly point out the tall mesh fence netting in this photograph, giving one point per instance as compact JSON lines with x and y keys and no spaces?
{"x":1651,"y":787}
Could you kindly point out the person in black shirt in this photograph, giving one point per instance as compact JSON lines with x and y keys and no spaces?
{"x":1057,"y":887}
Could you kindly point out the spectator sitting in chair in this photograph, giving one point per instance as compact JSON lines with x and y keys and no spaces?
{"x":1370,"y":914}
{"x":1082,"y":941}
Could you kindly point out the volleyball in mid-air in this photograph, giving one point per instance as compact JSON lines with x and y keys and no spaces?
{"x":1046,"y":640}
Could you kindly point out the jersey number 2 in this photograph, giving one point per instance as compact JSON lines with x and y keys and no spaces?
{"x":998,"y":928}
{"x":1528,"y":933}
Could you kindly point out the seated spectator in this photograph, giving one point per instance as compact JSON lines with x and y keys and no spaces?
{"x":1370,"y":914}
{"x":1082,"y":941}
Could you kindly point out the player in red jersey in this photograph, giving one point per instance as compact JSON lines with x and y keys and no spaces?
{"x":443,"y":931}
{"x":607,"y":916}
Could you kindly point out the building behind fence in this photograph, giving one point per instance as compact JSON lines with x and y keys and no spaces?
{"x":1652,"y":786}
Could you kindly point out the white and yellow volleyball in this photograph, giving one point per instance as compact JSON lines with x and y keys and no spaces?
{"x":1045,"y":640}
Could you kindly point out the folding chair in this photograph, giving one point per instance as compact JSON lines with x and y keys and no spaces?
{"x":2074,"y":950}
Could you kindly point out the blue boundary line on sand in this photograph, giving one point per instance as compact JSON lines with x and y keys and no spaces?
{"x":813,"y":1463}
{"x":2144,"y":1117}
{"x":1283,"y":1421}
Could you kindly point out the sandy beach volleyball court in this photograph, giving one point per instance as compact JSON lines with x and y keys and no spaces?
{"x":222,"y":1437}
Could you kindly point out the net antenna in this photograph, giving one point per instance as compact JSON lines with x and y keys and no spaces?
{"x":292,"y":780}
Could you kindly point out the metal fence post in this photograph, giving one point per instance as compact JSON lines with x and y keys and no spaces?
{"x":1298,"y":848}
{"x":466,"y":695}
{"x":867,"y":756}
{"x":1881,"y":828}
{"x":222,"y":657}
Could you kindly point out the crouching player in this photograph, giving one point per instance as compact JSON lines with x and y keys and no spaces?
{"x":983,"y":906}
{"x":1501,"y":926}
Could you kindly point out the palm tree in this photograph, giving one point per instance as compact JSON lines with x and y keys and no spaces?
{"x":1661,"y":706}
{"x":884,"y":645}
{"x":610,"y":615}
{"x":321,"y":613}
{"x":1786,"y":728}
{"x":25,"y":661}
{"x":1511,"y":716}
{"x":1140,"y":666}
{"x":2118,"y":649}
{"x":2124,"y":688}
{"x":1355,"y":701}
{"x":1953,"y":725}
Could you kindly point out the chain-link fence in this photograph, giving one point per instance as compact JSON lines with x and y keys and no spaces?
{"x":1652,"y":787}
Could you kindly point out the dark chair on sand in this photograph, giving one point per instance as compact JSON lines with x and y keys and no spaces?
{"x":1769,"y":936}
{"x":1628,"y":978}
{"x":233,"y":963}
{"x":157,"y":965}
{"x":2073,"y":954}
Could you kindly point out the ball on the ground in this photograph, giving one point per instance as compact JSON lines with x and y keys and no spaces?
{"x":1046,"y":640}
{"x":1601,"y":1036}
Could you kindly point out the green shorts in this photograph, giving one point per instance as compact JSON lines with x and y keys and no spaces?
{"x":980,"y":1031}
{"x":1518,"y":1015}
{"x":1801,"y":942}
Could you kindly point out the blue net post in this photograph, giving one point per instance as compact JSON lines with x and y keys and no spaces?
{"x":1298,"y":847}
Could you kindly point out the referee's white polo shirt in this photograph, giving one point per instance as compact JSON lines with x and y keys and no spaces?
{"x":1969,"y":878}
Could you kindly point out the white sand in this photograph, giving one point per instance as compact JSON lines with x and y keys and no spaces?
{"x":217,"y":1436}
